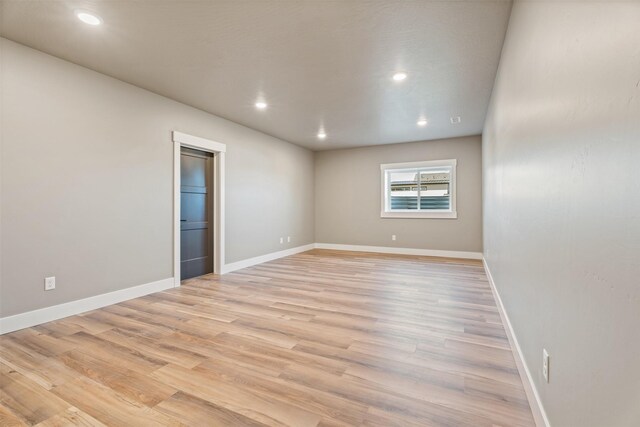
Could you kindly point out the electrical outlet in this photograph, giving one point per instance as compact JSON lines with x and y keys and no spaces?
{"x":281,"y":240}
{"x":49,"y":283}
{"x":545,"y":364}
{"x":393,"y":237}
{"x":288,"y":239}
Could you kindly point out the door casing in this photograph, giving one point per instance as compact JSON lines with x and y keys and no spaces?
{"x":218,"y":150}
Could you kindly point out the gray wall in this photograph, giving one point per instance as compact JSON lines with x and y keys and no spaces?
{"x":561,"y":161}
{"x":348,"y":197}
{"x":87,"y":181}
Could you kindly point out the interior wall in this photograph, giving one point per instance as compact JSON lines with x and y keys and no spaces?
{"x":87,"y":183}
{"x":348,"y":197}
{"x":561,"y":150}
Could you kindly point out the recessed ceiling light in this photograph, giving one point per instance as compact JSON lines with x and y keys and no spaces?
{"x":88,"y":18}
{"x":322,"y":134}
{"x":422,"y":122}
{"x":261,"y":105}
{"x":399,"y":76}
{"x":455,"y":120}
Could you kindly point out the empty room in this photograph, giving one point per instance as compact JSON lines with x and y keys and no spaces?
{"x":320,"y":213}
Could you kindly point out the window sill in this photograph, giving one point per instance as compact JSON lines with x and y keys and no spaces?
{"x":427,"y":215}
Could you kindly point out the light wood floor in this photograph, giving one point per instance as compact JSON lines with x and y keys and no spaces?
{"x":317,"y":339}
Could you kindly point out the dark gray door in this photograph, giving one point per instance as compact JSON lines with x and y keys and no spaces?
{"x":196,"y":221}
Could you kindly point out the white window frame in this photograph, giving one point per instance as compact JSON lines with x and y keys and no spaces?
{"x":386,"y":212}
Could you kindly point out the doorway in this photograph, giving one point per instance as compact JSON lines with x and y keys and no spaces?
{"x":198,"y":241}
{"x":196,"y":213}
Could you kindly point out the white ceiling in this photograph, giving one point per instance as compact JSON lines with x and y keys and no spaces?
{"x":316,"y":63}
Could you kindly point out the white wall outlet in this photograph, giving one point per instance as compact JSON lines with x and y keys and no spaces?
{"x":393,"y":237}
{"x":281,"y":240}
{"x":545,"y":364}
{"x":288,"y":239}
{"x":49,"y":283}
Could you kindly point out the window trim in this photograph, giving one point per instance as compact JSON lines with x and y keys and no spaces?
{"x":450,"y":213}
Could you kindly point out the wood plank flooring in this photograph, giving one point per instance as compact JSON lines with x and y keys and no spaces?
{"x":322,"y":338}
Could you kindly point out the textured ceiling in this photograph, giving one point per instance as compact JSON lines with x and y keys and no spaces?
{"x":316,"y":63}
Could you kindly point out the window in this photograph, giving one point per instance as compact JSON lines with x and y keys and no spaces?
{"x":419,"y":189}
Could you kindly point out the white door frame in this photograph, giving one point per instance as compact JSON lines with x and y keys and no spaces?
{"x":218,"y":149}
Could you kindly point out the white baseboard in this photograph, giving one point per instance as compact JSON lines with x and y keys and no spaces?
{"x":401,"y":251}
{"x":539,"y":414}
{"x":48,"y":314}
{"x":228,"y":268}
